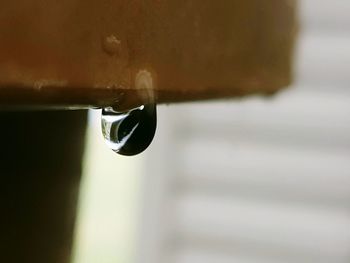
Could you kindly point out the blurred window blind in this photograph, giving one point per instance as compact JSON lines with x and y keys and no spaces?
{"x":259,"y":180}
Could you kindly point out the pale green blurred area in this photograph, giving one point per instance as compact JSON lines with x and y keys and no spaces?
{"x":107,"y":218}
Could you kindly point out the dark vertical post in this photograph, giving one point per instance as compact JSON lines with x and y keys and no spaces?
{"x":40,"y":170}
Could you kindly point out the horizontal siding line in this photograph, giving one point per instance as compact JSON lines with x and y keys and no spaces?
{"x":261,"y":156}
{"x":241,"y":252}
{"x":201,"y":253}
{"x":272,"y":227}
{"x":337,"y":143}
{"x":274,"y":194}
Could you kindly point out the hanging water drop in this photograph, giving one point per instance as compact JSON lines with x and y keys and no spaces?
{"x":129,"y":133}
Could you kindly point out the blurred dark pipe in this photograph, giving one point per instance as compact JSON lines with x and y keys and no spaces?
{"x":40,"y":170}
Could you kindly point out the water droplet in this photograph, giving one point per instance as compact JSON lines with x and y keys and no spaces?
{"x":111,"y":45}
{"x":129,"y":133}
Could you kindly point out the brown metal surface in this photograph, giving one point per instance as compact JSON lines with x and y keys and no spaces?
{"x":87,"y":53}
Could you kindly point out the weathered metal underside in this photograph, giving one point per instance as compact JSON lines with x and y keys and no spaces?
{"x":88,"y":53}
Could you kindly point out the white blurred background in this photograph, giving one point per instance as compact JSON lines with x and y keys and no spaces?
{"x":259,"y":180}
